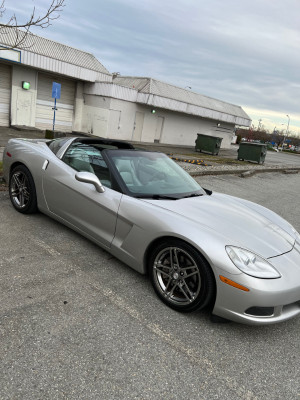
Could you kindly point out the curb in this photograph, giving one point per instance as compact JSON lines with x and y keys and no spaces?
{"x":247,"y":174}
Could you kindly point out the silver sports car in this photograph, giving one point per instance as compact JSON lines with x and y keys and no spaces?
{"x":199,"y":248}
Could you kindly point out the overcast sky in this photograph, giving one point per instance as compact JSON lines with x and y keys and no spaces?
{"x":245,"y":52}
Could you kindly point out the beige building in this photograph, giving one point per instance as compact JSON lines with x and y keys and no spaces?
{"x":96,"y":102}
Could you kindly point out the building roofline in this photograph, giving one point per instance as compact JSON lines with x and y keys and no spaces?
{"x":177,"y":87}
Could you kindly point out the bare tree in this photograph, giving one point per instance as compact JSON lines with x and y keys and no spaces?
{"x":18,"y":32}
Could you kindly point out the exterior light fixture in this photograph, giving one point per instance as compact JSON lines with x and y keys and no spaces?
{"x":25,"y":85}
{"x":153,"y":111}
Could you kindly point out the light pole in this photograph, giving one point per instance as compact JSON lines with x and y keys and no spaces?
{"x":259,"y":124}
{"x":287,"y":131}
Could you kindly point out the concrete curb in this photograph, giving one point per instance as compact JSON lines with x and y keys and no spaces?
{"x":247,"y":174}
{"x":291,"y":171}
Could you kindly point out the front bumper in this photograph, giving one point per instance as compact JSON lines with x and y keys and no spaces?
{"x":268,"y":300}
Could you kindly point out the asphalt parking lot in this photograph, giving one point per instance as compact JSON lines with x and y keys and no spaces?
{"x":78,"y":324}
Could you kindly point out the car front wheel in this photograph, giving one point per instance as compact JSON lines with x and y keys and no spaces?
{"x":181,"y":277}
{"x":22,"y":190}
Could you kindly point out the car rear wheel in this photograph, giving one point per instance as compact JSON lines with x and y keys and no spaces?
{"x":181,"y":277}
{"x":22,"y":190}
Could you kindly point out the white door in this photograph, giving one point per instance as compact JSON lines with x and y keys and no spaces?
{"x":24,"y":107}
{"x":138,"y":126}
{"x":114,"y":124}
{"x":159,"y":129}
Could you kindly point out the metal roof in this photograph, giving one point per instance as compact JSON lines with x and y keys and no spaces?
{"x":173,"y":93}
{"x":53,"y":50}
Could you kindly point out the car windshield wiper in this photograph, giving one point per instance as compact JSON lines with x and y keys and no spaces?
{"x":192,"y":195}
{"x":158,"y":197}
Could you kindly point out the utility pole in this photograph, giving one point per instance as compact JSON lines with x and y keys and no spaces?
{"x":287,"y":131}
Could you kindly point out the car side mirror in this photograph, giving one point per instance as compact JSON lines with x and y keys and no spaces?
{"x":88,"y":177}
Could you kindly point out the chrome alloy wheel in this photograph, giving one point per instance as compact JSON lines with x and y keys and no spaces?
{"x":19,"y":189}
{"x":177,"y":276}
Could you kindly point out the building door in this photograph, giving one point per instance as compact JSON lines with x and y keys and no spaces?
{"x":24,"y":108}
{"x":114,"y":124}
{"x":159,"y":129}
{"x":138,"y":126}
{"x":5,"y":91}
{"x":45,"y":102}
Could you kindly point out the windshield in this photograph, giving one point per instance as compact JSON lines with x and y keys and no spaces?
{"x":153,"y":175}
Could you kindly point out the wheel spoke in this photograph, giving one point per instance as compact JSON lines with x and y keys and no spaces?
{"x":22,"y":200}
{"x":169,"y":294}
{"x":159,"y":265}
{"x":176,"y":256}
{"x":23,"y":179}
{"x":165,"y":273}
{"x":192,"y":267}
{"x":26,"y":195}
{"x":191,"y":274}
{"x":185,"y":295}
{"x":17,"y":181}
{"x":191,"y":295}
{"x":171,"y":258}
{"x":15,"y":192}
{"x":168,"y":284}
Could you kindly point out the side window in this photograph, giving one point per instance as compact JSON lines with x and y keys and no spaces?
{"x":86,"y":157}
{"x":57,"y":144}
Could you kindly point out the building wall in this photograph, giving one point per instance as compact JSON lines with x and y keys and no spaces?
{"x":33,"y":107}
{"x":95,"y":115}
{"x":105,"y":116}
{"x":124,"y":120}
{"x":78,"y":107}
{"x":64,"y":114}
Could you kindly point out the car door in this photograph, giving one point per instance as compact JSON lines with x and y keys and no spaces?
{"x":79,"y":204}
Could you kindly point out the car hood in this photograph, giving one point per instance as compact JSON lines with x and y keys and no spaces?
{"x":240,"y":222}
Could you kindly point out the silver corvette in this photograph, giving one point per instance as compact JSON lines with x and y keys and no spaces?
{"x":199,"y":248}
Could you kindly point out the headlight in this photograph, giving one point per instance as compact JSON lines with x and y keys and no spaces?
{"x":251,"y":264}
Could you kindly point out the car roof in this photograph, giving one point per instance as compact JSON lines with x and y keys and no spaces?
{"x":119,"y":144}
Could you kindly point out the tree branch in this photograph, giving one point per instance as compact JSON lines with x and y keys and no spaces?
{"x":21,"y":30}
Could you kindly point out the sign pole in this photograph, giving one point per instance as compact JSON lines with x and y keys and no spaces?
{"x":56,"y":88}
{"x":54,"y":108}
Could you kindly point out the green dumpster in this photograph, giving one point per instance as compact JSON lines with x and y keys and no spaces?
{"x":252,"y":152}
{"x":208,"y":144}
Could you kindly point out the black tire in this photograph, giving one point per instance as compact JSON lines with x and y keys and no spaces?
{"x":22,"y":190}
{"x":186,"y":283}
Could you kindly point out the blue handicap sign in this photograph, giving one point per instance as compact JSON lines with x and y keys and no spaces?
{"x":56,"y":90}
